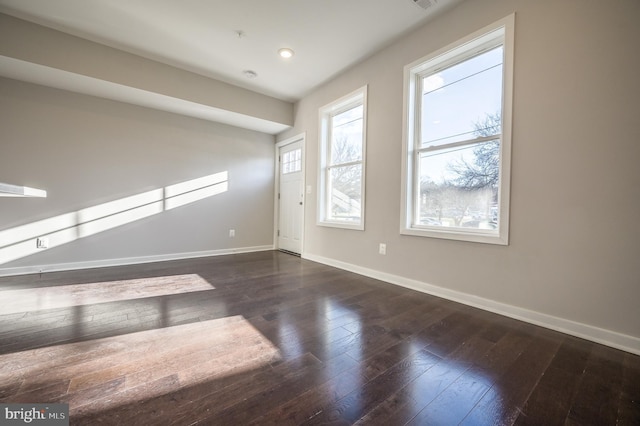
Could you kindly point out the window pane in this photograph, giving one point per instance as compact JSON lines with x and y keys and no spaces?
{"x":292,"y":161}
{"x":346,"y":136}
{"x":464,"y":101}
{"x":345,"y":193}
{"x":459,"y":186}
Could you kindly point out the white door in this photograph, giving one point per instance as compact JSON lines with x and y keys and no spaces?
{"x":291,"y":197}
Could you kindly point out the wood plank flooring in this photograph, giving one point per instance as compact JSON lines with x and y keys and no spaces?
{"x":271,"y":339}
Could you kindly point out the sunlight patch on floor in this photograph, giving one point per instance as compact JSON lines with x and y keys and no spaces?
{"x":33,"y":299}
{"x":105,"y":373}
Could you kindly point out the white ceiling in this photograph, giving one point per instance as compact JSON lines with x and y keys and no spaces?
{"x":328,"y":36}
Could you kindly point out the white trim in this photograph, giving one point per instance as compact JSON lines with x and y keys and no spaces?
{"x":57,"y":267}
{"x":342,"y":225}
{"x":302,"y":138}
{"x":603,"y":336}
{"x":8,"y":190}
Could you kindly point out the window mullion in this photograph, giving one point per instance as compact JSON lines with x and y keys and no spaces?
{"x":416,"y":189}
{"x":350,"y":163}
{"x":327,"y":193}
{"x":329,"y":150}
{"x":348,"y":122}
{"x":416,"y":153}
{"x":461,"y":143}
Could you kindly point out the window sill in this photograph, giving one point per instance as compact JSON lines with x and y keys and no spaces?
{"x":458,"y":234}
{"x":342,"y":225}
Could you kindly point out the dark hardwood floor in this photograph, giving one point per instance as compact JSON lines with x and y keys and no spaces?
{"x":271,"y":339}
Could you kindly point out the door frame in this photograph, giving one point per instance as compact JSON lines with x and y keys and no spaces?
{"x":276,"y":202}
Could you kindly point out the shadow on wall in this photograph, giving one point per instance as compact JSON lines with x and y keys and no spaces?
{"x":25,"y":240}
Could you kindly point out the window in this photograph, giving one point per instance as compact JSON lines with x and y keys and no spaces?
{"x":342,"y":153}
{"x":292,"y":161}
{"x":456,"y":146}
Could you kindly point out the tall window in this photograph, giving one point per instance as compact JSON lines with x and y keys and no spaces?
{"x":342,"y":153}
{"x":457,"y":140}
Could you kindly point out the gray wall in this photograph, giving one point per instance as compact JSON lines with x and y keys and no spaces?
{"x":24,"y":41}
{"x":86,"y":151}
{"x":575,"y":230}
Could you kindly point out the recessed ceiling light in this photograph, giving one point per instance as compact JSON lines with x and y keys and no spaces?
{"x":250,"y":73}
{"x":285,"y":52}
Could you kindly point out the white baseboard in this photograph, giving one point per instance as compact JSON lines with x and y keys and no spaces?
{"x":599,"y":335}
{"x":126,"y":261}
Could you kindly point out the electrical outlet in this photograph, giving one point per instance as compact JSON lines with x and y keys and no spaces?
{"x":232,"y":233}
{"x":382,"y":249}
{"x":42,"y":242}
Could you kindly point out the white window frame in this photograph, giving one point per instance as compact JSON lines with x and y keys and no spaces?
{"x":353,"y":99}
{"x":498,"y":33}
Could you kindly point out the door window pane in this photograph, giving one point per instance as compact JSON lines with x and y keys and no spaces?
{"x":292,"y":161}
